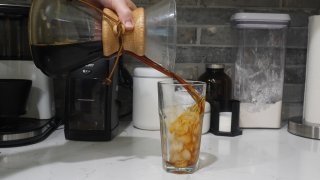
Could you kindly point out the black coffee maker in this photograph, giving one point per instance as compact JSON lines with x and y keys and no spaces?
{"x":27,"y":113}
{"x":66,"y":43}
{"x":91,"y":106}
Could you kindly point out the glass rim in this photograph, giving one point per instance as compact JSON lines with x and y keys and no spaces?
{"x":175,"y":82}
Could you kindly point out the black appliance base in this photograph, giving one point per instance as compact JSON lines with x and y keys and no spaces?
{"x":24,"y":131}
{"x":91,"y":135}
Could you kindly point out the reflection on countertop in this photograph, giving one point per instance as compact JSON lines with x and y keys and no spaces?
{"x":260,"y":154}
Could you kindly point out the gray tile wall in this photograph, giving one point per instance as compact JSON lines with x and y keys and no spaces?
{"x":205,"y":36}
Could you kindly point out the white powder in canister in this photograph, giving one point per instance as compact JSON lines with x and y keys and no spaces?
{"x":260,"y":115}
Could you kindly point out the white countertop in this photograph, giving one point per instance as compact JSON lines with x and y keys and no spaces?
{"x":259,"y":154}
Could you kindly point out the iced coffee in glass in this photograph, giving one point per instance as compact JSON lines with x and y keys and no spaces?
{"x":180,"y":125}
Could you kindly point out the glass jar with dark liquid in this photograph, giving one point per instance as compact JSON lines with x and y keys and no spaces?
{"x":218,"y":92}
{"x":218,"y":83}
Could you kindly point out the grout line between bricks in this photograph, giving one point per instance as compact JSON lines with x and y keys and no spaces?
{"x":198,"y":36}
{"x":241,"y":8}
{"x":281,"y":3}
{"x":198,"y":3}
{"x":202,"y":26}
{"x":295,"y":66}
{"x":207,"y":45}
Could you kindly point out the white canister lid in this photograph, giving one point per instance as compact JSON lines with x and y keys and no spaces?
{"x":260,"y":20}
{"x":147,"y":72}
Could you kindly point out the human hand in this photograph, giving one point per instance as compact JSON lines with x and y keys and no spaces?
{"x":124,"y":10}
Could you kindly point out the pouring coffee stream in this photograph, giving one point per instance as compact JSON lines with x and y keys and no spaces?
{"x":118,"y":30}
{"x":171,"y":74}
{"x":67,"y":35}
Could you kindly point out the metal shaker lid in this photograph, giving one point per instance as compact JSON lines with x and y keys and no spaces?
{"x":260,"y":20}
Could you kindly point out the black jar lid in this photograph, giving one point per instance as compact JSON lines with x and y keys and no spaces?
{"x":215,"y":66}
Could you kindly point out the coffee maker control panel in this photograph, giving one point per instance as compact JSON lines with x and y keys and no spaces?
{"x":96,"y":69}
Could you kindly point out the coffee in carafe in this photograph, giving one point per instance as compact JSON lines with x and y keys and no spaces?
{"x":62,"y":58}
{"x":66,"y":34}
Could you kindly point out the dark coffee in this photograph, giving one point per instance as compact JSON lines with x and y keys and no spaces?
{"x":59,"y":59}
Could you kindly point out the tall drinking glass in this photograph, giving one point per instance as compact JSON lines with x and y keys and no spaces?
{"x":180,"y":125}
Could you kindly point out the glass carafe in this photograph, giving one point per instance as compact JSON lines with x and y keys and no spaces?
{"x":67,"y":34}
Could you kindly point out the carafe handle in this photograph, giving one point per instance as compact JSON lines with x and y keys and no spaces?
{"x":133,"y":41}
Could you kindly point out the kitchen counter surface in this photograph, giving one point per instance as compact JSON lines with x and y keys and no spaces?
{"x":261,"y":154}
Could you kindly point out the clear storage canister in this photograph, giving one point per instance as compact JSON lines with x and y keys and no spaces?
{"x":259,"y":68}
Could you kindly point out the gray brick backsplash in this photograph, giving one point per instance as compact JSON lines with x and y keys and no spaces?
{"x":295,"y":74}
{"x":293,"y":93}
{"x":290,"y":110}
{"x":219,"y":35}
{"x":187,"y":35}
{"x":299,"y":17}
{"x":221,"y":55}
{"x":179,"y":2}
{"x":205,"y":16}
{"x":241,"y":3}
{"x":205,"y":54}
{"x":205,"y":36}
{"x":297,"y":37}
{"x":187,"y":2}
{"x":138,"y":2}
{"x":187,"y":54}
{"x":296,"y":56}
{"x":188,"y":71}
{"x":301,"y":3}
